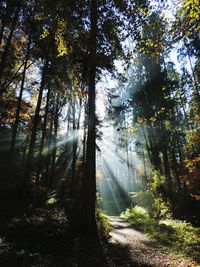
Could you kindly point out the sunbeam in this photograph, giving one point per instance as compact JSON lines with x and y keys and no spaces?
{"x":118,"y":176}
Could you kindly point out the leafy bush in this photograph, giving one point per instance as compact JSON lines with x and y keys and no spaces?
{"x":154,"y":199}
{"x":161,"y":209}
{"x":185,"y":237}
{"x":103,"y":222}
{"x":155,"y":205}
{"x":143,"y":199}
{"x":139,"y":217}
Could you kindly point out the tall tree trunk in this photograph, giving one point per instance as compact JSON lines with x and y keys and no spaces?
{"x":175,"y":167}
{"x":195,"y":82}
{"x":154,"y":147}
{"x":74,"y":149}
{"x":8,"y":13}
{"x":76,"y":126}
{"x":83,"y":215}
{"x":67,"y":149}
{"x":147,"y":145}
{"x":17,"y":117}
{"x":166,"y":163}
{"x":47,"y":180}
{"x":167,"y":173}
{"x":84,"y":135}
{"x":8,"y":44}
{"x":144,"y":165}
{"x":54,"y":149}
{"x":29,"y":160}
{"x":89,"y":183}
{"x":40,"y":158}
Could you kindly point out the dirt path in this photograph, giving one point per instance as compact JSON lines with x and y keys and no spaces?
{"x":128,"y":247}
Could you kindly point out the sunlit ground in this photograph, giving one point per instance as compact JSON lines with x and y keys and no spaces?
{"x":123,"y":233}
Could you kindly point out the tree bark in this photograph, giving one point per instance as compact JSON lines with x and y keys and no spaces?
{"x":40,"y":158}
{"x":47,"y":180}
{"x":8,"y":13}
{"x":8,"y":44}
{"x":89,"y":183}
{"x":86,"y":221}
{"x":54,"y":149}
{"x":195,"y":82}
{"x":36,"y":120}
{"x":16,"y":123}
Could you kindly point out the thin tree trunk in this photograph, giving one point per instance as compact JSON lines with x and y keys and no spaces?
{"x":175,"y":165}
{"x":167,"y":165}
{"x":195,"y":83}
{"x":8,"y":44}
{"x":168,"y":179}
{"x":66,"y":153}
{"x":145,"y":168}
{"x":23,"y":161}
{"x":54,"y":150}
{"x":88,"y":220}
{"x":7,"y":15}
{"x":47,"y":181}
{"x":83,"y":212}
{"x":76,"y":127}
{"x":16,"y":123}
{"x":74,"y":148}
{"x":147,"y":145}
{"x":29,"y":160}
{"x":40,"y":158}
{"x":84,"y":136}
{"x":154,"y":147}
{"x":16,"y":75}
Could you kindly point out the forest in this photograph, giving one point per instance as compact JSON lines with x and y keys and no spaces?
{"x":99,"y":133}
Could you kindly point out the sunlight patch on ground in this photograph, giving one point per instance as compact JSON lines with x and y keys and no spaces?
{"x":122,"y":232}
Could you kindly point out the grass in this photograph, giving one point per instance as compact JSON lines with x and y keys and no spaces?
{"x":174,"y":236}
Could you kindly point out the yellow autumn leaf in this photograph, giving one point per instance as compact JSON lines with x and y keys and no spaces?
{"x":152,"y":119}
{"x":44,"y":34}
{"x":140,"y":120}
{"x":62,"y":46}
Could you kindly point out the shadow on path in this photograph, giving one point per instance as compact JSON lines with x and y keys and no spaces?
{"x":119,"y":249}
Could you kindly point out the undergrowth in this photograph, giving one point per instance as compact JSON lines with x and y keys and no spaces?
{"x":103,"y":222}
{"x":43,"y":239}
{"x":175,"y":236}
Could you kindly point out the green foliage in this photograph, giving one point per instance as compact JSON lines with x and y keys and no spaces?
{"x":161,"y":208}
{"x":44,"y":34}
{"x":171,"y":235}
{"x":152,"y":199}
{"x":187,"y":19}
{"x":103,"y":222}
{"x":139,"y":217}
{"x":157,"y":181}
{"x":51,"y":201}
{"x":143,"y":199}
{"x":99,"y":200}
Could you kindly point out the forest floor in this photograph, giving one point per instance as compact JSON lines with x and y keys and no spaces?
{"x":43,"y":240}
{"x":129,"y":247}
